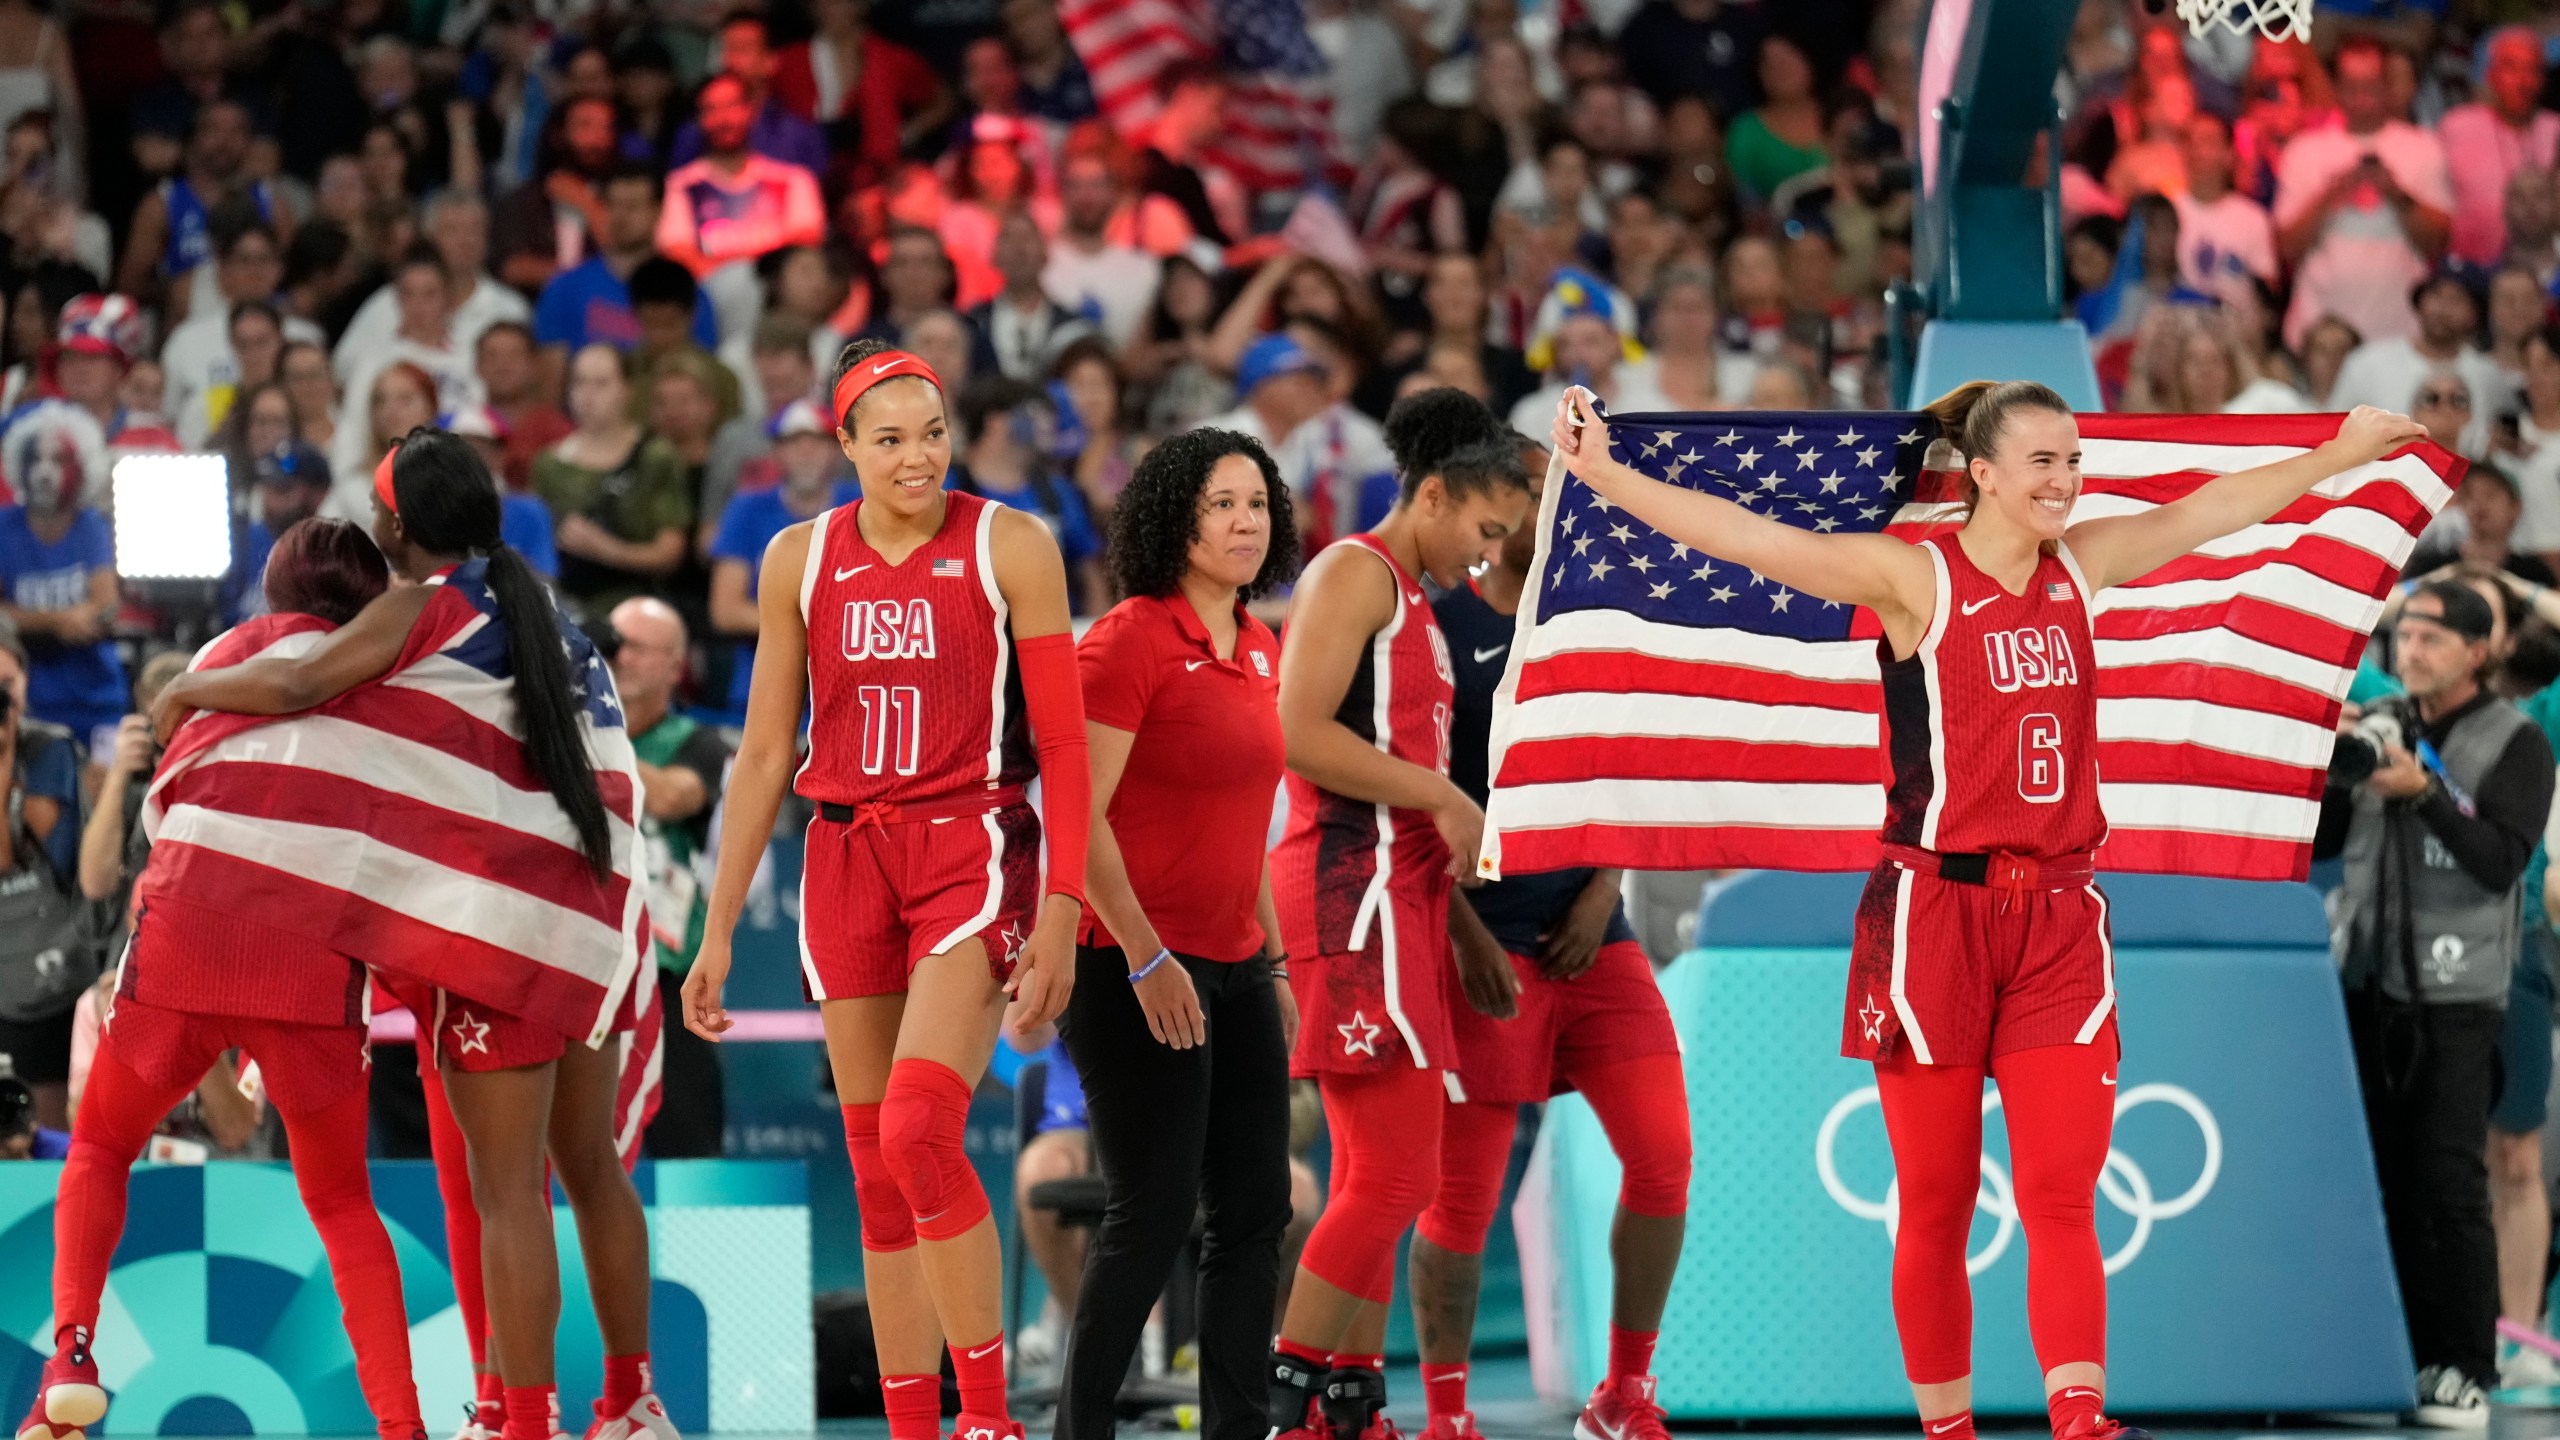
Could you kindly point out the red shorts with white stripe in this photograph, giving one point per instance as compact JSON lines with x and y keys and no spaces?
{"x":876,"y":899}
{"x":1963,"y":973}
{"x":460,"y":1033}
{"x":1381,"y":1005}
{"x":1611,"y":1012}
{"x":304,"y":1068}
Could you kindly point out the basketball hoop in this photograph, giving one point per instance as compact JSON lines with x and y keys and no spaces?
{"x":2275,"y":19}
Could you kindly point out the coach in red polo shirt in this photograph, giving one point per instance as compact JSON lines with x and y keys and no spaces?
{"x":1181,"y":1021}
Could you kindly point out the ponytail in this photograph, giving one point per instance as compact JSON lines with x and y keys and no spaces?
{"x":448,"y":504}
{"x":1972,"y":416}
{"x":549,"y":699}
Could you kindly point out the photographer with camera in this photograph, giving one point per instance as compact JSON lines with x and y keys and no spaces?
{"x":2436,"y":799}
{"x":21,"y":1137}
{"x":52,"y":942}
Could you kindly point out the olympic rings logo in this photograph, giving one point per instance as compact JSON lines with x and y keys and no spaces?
{"x":2126,"y":1185}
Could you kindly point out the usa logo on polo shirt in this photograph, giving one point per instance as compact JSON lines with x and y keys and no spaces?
{"x":1261,"y":664}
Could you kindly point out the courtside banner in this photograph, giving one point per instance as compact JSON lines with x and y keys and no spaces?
{"x":1666,"y":711}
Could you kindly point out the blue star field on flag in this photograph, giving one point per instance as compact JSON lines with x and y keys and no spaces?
{"x":1835,"y":473}
{"x":1268,"y":35}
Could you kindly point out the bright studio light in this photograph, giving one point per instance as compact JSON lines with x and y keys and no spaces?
{"x":173,"y":517}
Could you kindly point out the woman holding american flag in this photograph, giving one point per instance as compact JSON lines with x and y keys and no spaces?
{"x":1981,"y":943}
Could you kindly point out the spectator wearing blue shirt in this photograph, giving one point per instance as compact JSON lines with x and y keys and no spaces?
{"x":58,"y":574}
{"x":1010,"y":427}
{"x":591,"y":303}
{"x":524,"y":522}
{"x":288,"y":487}
{"x":809,"y":460}
{"x":42,"y":761}
{"x":746,"y":55}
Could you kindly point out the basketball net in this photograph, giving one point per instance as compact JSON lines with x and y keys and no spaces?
{"x":2275,"y":19}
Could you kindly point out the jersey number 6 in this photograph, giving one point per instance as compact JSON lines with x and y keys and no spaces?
{"x":2040,"y":759}
{"x":892,"y":721}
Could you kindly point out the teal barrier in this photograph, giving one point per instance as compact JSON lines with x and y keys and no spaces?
{"x":2239,"y":1212}
{"x":219,"y":1317}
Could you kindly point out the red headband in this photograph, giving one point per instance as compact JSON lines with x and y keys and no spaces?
{"x":382,"y":481}
{"x":885,"y":366}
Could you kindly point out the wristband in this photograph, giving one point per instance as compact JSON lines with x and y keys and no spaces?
{"x":1143,"y":971}
{"x":1279,"y":968}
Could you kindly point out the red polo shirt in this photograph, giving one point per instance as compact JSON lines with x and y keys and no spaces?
{"x":1193,"y":809}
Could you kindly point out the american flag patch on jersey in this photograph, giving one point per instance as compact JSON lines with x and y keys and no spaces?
{"x":2058,"y":590}
{"x":947,"y":569}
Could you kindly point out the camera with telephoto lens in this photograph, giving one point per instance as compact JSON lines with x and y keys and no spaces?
{"x":2367,"y":747}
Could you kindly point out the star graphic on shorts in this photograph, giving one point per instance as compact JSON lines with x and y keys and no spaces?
{"x":1009,"y":943}
{"x":1359,"y":1037}
{"x":471,"y":1034}
{"x":1873,"y":1019}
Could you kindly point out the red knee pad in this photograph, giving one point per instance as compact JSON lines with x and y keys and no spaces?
{"x":887,"y":1224}
{"x":1475,"y":1148}
{"x":924,"y":1121}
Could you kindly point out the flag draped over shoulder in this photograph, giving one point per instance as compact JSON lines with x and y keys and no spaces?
{"x":1664,"y":711}
{"x":1277,"y":134}
{"x":403,"y":824}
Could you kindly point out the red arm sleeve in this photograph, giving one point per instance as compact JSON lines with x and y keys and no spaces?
{"x":1055,"y":700}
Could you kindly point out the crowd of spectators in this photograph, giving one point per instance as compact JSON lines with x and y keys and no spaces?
{"x":619,"y":244}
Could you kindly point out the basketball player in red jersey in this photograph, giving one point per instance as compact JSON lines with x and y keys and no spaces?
{"x":1551,"y":993}
{"x":1361,"y":880}
{"x":198,"y":979}
{"x":923,"y":628}
{"x":1981,"y":943}
{"x":531,"y":1104}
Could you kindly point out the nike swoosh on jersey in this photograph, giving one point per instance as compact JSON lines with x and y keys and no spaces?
{"x":1193,"y":664}
{"x":1978,"y":604}
{"x":1484,"y":655}
{"x":842,"y":575}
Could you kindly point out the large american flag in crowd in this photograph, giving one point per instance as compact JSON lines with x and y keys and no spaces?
{"x":400,"y":825}
{"x":1664,"y":711}
{"x":1278,"y":133}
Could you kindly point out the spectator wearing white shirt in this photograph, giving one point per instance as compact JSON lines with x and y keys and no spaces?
{"x":197,"y":360}
{"x":457,"y":225}
{"x":2530,"y":447}
{"x":2390,"y":372}
{"x":1085,"y":271}
{"x":425,"y":339}
{"x":2361,"y":209}
{"x":2222,"y":234}
{"x":2489,"y":140}
{"x":1585,"y":335}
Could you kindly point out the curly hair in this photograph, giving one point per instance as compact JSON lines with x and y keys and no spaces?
{"x":1158,"y":514}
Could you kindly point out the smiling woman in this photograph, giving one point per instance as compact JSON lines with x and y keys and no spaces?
{"x":905,"y":622}
{"x":1981,"y":944}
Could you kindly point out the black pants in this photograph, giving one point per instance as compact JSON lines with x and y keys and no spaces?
{"x":693,"y":1112}
{"x":1176,"y":1133}
{"x":2430,"y":1076}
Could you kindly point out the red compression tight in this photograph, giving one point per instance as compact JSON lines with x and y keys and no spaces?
{"x":118,"y":1112}
{"x":1642,"y":1107}
{"x":1385,"y":1126}
{"x":2060,"y":1105}
{"x":461,"y":1217}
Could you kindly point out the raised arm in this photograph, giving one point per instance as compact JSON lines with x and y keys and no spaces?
{"x":2120,"y":548}
{"x":1888,"y":576}
{"x":762,"y":770}
{"x":362,"y":649}
{"x":1344,"y":599}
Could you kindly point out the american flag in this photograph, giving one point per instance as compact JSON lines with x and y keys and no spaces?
{"x":402,"y":823}
{"x":1278,"y":134}
{"x":1664,"y":711}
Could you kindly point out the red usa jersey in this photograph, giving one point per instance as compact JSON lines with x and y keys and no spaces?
{"x":913,"y":690}
{"x":1339,"y":857}
{"x":1991,"y":725}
